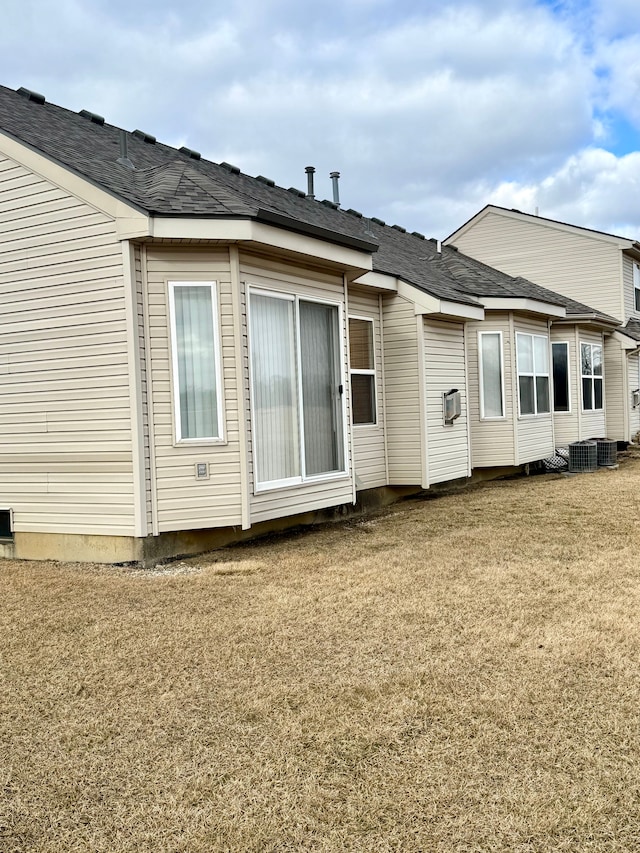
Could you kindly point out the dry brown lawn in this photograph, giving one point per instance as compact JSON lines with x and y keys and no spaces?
{"x":460,"y":674}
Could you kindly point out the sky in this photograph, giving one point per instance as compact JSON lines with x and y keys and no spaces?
{"x":429,"y":110}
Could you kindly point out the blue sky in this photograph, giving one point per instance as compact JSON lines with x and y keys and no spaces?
{"x":429,"y":110}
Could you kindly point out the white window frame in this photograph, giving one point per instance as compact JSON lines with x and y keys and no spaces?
{"x":535,"y":375}
{"x":481,"y":378}
{"x":217,"y":352}
{"x":636,"y":286}
{"x":564,"y":344}
{"x":592,"y":376}
{"x":361,"y":372}
{"x":303,"y":479}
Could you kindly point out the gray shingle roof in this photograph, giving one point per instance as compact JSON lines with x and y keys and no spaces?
{"x":632,"y":329}
{"x":169,"y":182}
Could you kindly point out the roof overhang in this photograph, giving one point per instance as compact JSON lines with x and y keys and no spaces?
{"x":626,"y":342}
{"x":423,"y":303}
{"x":588,"y":320}
{"x":525,"y":306}
{"x":258,"y":235}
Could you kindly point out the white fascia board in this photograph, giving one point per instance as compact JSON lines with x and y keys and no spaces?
{"x":531,"y":306}
{"x":250,"y":231}
{"x":425,"y":303}
{"x":379,"y":280}
{"x":135,"y":222}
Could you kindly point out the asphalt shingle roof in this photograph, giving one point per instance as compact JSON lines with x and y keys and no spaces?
{"x":165,"y":181}
{"x":632,"y":329}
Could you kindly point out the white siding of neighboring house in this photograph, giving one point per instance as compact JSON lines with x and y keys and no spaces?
{"x":445,"y":368}
{"x":402,"y":392}
{"x":615,"y":388}
{"x":368,"y":441}
{"x":492,"y":440}
{"x":575,"y":264}
{"x":633,"y":376}
{"x":268,"y":273}
{"x":65,"y":427}
{"x":184,"y":503}
{"x":534,"y":439}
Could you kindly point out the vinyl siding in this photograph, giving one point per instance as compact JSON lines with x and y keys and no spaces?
{"x":368,"y":441}
{"x":263,"y":272}
{"x":492,"y":440}
{"x":577,"y":265}
{"x":65,"y":429}
{"x":184,"y":503}
{"x":629,"y":290}
{"x":615,"y":384}
{"x":402,"y":392}
{"x":534,"y":433}
{"x":447,"y":446}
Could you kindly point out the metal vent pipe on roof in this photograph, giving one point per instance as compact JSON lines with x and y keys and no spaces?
{"x":335,"y":176}
{"x":123,"y":159}
{"x":310,"y":170}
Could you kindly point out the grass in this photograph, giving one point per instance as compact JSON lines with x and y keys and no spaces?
{"x":454,"y":675}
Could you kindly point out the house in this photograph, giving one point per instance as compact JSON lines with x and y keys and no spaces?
{"x":591,"y":266}
{"x":189,"y":354}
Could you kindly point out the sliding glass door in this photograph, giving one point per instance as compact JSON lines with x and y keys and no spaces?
{"x":296,"y":390}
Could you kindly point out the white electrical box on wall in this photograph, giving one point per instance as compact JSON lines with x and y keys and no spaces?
{"x":202,"y":470}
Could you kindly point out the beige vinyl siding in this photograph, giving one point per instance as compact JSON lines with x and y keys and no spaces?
{"x":575,"y":264}
{"x":534,"y":432}
{"x":492,"y":440}
{"x":629,"y":289}
{"x":142,"y":355}
{"x":615,"y":387}
{"x":402,"y":392}
{"x":184,"y":503}
{"x":282,"y":277}
{"x":65,"y":428}
{"x":368,"y":441}
{"x":447,"y":445}
{"x":633,"y":379}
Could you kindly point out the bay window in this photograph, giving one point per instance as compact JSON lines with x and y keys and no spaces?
{"x":363,"y":374}
{"x":197,"y":377}
{"x":533,"y":374}
{"x":591,"y":366}
{"x":491,"y":374}
{"x":296,"y":389}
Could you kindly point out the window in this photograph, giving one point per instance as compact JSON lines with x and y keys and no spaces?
{"x":591,"y":365}
{"x":491,"y":375}
{"x":197,"y":382}
{"x":363,"y":374}
{"x":561,"y":393}
{"x":296,"y":390}
{"x":533,"y":374}
{"x":636,"y":285}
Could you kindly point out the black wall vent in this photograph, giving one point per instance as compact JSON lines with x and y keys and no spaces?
{"x":6,"y":526}
{"x":145,"y":137}
{"x":93,"y":117}
{"x":195,"y":155}
{"x":230,"y":168}
{"x":36,"y":97}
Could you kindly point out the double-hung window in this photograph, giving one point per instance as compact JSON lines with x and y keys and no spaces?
{"x":636,"y":286}
{"x":533,"y":374}
{"x":195,"y":347}
{"x":491,"y":375}
{"x":591,"y":366}
{"x":560,"y":364}
{"x":296,"y":389}
{"x":363,"y":374}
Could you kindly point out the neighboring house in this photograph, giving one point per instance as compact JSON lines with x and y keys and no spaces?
{"x":591,"y":266}
{"x":187,"y":352}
